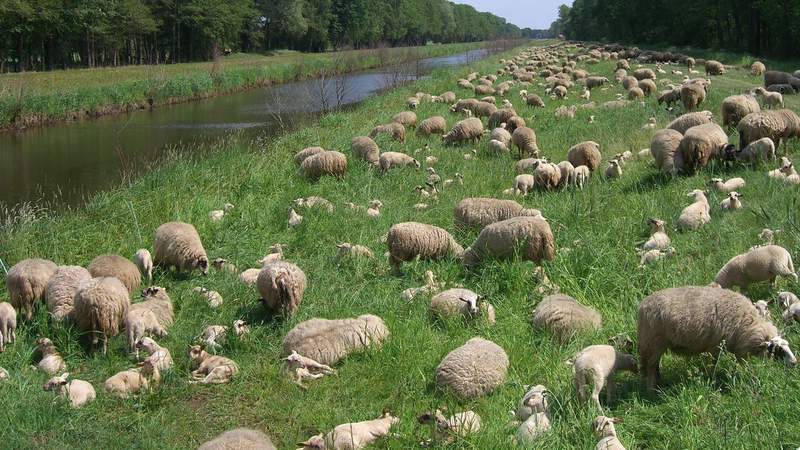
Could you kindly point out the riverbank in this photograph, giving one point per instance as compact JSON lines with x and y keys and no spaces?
{"x":38,"y":98}
{"x":596,"y":230}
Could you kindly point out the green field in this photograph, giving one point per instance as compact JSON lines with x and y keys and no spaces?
{"x":34,"y":98}
{"x":745,"y":404}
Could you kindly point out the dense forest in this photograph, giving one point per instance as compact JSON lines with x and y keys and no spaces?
{"x":761,"y":27}
{"x":48,"y":34}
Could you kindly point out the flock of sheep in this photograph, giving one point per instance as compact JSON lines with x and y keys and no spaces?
{"x":688,"y":319}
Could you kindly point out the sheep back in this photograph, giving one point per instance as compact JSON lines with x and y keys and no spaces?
{"x":474,"y":369}
{"x":409,"y":240}
{"x":689,"y":120}
{"x":301,"y":156}
{"x":700,"y":144}
{"x":530,"y":236}
{"x":281,"y":285}
{"x":328,"y":341}
{"x":116,"y":266}
{"x":663,"y":147}
{"x":525,"y":140}
{"x":714,"y":67}
{"x":61,"y":289}
{"x":585,"y":154}
{"x":178,"y":244}
{"x":736,"y":107}
{"x":502,"y":115}
{"x":406,"y":118}
{"x":479,"y":212}
{"x":239,"y":439}
{"x":776,"y":124}
{"x":692,"y":95}
{"x":101,"y":305}
{"x":26,"y":281}
{"x":365,"y":148}
{"x":326,"y":163}
{"x":564,"y":316}
{"x":432,"y":125}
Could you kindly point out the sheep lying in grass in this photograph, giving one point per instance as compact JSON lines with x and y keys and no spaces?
{"x":693,"y":320}
{"x":210,"y":369}
{"x":305,"y":368}
{"x":786,"y":299}
{"x":651,"y":256}
{"x":446,"y":430}
{"x":762,"y":306}
{"x":533,"y":412}
{"x":564,"y":316}
{"x":133,"y":381}
{"x":51,"y":362}
{"x":212,"y":298}
{"x":239,"y":439}
{"x":347,"y":250}
{"x":732,"y":202}
{"x":697,"y":214}
{"x":8,"y":325}
{"x":328,"y":341}
{"x":430,"y":287}
{"x":593,"y":366}
{"x":160,"y":356}
{"x":659,"y":240}
{"x":352,"y":436}
{"x":26,"y":282}
{"x":78,"y":392}
{"x":3,"y":375}
{"x":727,"y":186}
{"x":761,"y":264}
{"x":606,"y":433}
{"x":213,"y":335}
{"x":461,"y":302}
{"x":474,"y":369}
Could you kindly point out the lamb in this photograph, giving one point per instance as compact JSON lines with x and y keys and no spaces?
{"x":78,"y":392}
{"x":461,"y":302}
{"x":474,"y":369}
{"x":771,"y":99}
{"x":581,"y":176}
{"x":405,"y":118}
{"x":308,"y":202}
{"x":546,"y":175}
{"x":8,"y":325}
{"x":566,"y":112}
{"x":213,"y":298}
{"x":178,"y":245}
{"x":328,"y":341}
{"x":533,"y":411}
{"x":761,"y":264}
{"x":757,"y":69}
{"x":479,"y":212}
{"x":727,"y":186}
{"x":792,"y":313}
{"x":787,"y":299}
{"x":693,"y":320}
{"x":390,"y":160}
{"x":210,"y":369}
{"x":154,"y":315}
{"x":563,"y":316}
{"x":436,"y":125}
{"x":790,"y":174}
{"x":594,"y":365}
{"x":347,"y":250}
{"x":160,"y":356}
{"x":101,"y":305}
{"x":396,"y":130}
{"x":218,"y":214}
{"x":144,"y":261}
{"x":586,"y":153}
{"x":213,"y":335}
{"x":470,"y":129}
{"x":606,"y":433}
{"x":524,"y":139}
{"x":306,"y":153}
{"x":658,"y":236}
{"x":445,"y":430}
{"x":498,"y":147}
{"x":693,"y":95}
{"x":326,"y":163}
{"x":352,"y":436}
{"x":305,"y":368}
{"x":651,"y":256}
{"x":365,"y":148}
{"x":528,"y":165}
{"x":281,"y":285}
{"x":410,"y":240}
{"x":118,"y":267}
{"x":51,"y":362}
{"x":614,"y":169}
{"x":3,"y":375}
{"x":530,"y":237}
{"x":700,"y":145}
{"x":736,"y":107}
{"x":776,"y":124}
{"x":689,"y":120}
{"x":374,"y":209}
{"x":757,"y":151}
{"x":133,"y":381}
{"x":239,"y":439}
{"x":697,"y":214}
{"x":26,"y":282}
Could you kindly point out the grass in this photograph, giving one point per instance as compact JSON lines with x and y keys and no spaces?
{"x":730,"y":404}
{"x":33,"y":98}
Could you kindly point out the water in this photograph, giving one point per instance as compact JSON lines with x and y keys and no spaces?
{"x":66,"y":163}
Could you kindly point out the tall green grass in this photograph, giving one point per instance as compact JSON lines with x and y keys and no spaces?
{"x":701,"y":404}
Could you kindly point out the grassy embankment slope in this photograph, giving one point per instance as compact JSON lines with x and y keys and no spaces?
{"x":34,"y":98}
{"x":748,"y":404}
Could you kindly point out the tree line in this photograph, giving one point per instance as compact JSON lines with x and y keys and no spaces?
{"x":760,"y":27}
{"x":49,"y":34}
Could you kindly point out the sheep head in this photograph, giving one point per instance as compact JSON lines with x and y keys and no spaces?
{"x":313,"y":443}
{"x":779,"y":348}
{"x":56,"y":383}
{"x":604,"y":426}
{"x":240,"y":327}
{"x":786,"y":299}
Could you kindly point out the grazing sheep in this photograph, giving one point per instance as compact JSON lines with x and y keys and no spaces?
{"x":459,"y":425}
{"x":153,"y":315}
{"x":447,"y":97}
{"x":498,"y":147}
{"x":697,"y":214}
{"x":101,"y":305}
{"x":474,"y":369}
{"x":545,"y":175}
{"x":771,"y":99}
{"x":281,"y":285}
{"x":566,"y":112}
{"x":118,"y":267}
{"x":563,"y":316}
{"x":390,"y":160}
{"x":595,"y":82}
{"x":670,"y":97}
{"x":479,"y":212}
{"x":614,"y":169}
{"x":464,"y":105}
{"x":461,"y":302}
{"x":727,"y":186}
{"x":629,"y":82}
{"x":8,"y":325}
{"x":210,"y":369}
{"x":699,"y":146}
{"x":714,"y":67}
{"x":534,"y":101}
{"x":595,"y":365}
{"x":410,"y":240}
{"x":524,"y":139}
{"x":757,"y":151}
{"x":160,"y":356}
{"x":178,"y":245}
{"x":78,"y":392}
{"x":436,"y":125}
{"x":306,"y":153}
{"x":484,"y":109}
{"x":405,"y":118}
{"x":776,"y":124}
{"x":365,"y":148}
{"x":412,"y":102}
{"x":144,"y":261}
{"x":736,"y":107}
{"x":693,"y":320}
{"x":693,"y":95}
{"x":501,"y":134}
{"x":648,"y":87}
{"x":644,"y":74}
{"x":326,"y":163}
{"x":560,"y":92}
{"x":635,"y":93}
{"x":757,"y":69}
{"x":26,"y":282}
{"x":396,"y":130}
{"x":581,"y":176}
{"x":689,"y":120}
{"x":470,"y":129}
{"x":658,"y":236}
{"x":239,"y":439}
{"x":328,"y":341}
{"x":352,"y":436}
{"x":530,"y":237}
{"x":528,"y":165}
{"x":61,"y":289}
{"x":133,"y":381}
{"x":586,"y":153}
{"x":606,"y":433}
{"x":773,"y":77}
{"x":51,"y":362}
{"x":761,"y":264}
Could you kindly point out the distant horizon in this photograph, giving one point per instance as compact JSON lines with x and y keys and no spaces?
{"x":539,"y":14}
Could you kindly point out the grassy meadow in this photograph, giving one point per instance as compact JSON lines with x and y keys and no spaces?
{"x":747,"y":404}
{"x":34,"y":98}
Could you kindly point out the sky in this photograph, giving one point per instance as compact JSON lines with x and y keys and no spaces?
{"x":536,"y":14}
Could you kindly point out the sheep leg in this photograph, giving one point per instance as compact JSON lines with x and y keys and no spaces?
{"x":598,"y":387}
{"x":105,"y":345}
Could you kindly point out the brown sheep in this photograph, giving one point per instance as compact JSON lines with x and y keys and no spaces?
{"x":396,"y":130}
{"x":326,"y":163}
{"x":524,"y":139}
{"x":365,"y":148}
{"x":699,"y":145}
{"x":432,"y":125}
{"x":116,"y":266}
{"x":281,"y":285}
{"x":409,"y":240}
{"x":470,"y":129}
{"x":26,"y":282}
{"x":736,"y":107}
{"x":693,"y":95}
{"x":502,"y":240}
{"x":776,"y":124}
{"x":585,"y":154}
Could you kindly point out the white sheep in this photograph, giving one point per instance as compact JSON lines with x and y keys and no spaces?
{"x":3,"y":375}
{"x":533,"y":411}
{"x":160,"y":356}
{"x":792,"y":313}
{"x":294,"y":219}
{"x":133,"y":381}
{"x":275,"y":253}
{"x":727,"y":186}
{"x":154,"y":315}
{"x":474,"y":369}
{"x":762,"y":306}
{"x":210,"y":369}
{"x":8,"y":325}
{"x":239,"y":439}
{"x":732,"y":202}
{"x":697,"y":214}
{"x":78,"y":392}
{"x":430,"y":287}
{"x":659,"y":240}
{"x":462,"y":302}
{"x":347,"y":250}
{"x":178,"y":244}
{"x":306,"y":368}
{"x":213,"y":335}
{"x":26,"y":282}
{"x":786,"y":299}
{"x":459,"y":425}
{"x":593,"y":366}
{"x":51,"y":362}
{"x":761,"y":264}
{"x":582,"y":174}
{"x":606,"y":433}
{"x":614,"y":169}
{"x":651,"y":256}
{"x":352,"y":436}
{"x":213,"y":298}
{"x":374,"y":209}
{"x":144,"y":261}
